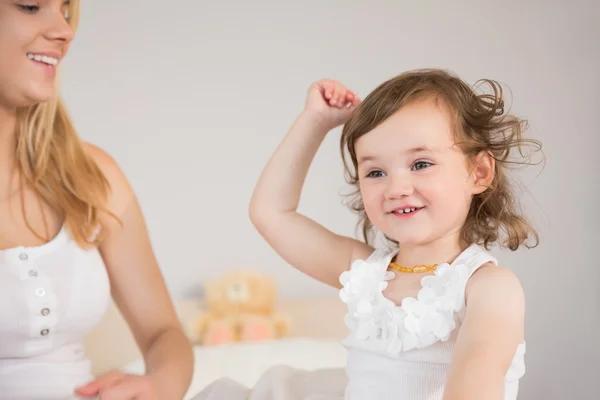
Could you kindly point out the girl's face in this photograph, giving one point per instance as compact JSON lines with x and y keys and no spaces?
{"x":415,"y":183}
{"x":34,"y":37}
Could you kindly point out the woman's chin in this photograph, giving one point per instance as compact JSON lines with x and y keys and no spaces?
{"x":36,"y":96}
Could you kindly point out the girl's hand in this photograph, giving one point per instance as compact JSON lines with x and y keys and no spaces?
{"x":120,"y":386}
{"x":331,"y":102}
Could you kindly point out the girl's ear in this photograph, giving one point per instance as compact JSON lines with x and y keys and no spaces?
{"x":484,"y":167}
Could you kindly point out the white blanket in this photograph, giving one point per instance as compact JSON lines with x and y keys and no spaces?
{"x":272,"y":364}
{"x":282,"y":383}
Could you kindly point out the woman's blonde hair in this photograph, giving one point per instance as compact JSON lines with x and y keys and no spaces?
{"x":52,"y":162}
{"x":480,"y":125}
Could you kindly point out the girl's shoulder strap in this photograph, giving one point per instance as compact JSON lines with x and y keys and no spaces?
{"x":474,"y":257}
{"x":381,"y":255}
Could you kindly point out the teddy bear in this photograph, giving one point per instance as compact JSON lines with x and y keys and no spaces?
{"x":240,"y":307}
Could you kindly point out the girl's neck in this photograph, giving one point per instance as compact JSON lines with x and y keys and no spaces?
{"x":444,"y":249}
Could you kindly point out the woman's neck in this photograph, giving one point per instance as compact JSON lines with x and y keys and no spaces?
{"x":8,"y":137}
{"x":444,"y":249}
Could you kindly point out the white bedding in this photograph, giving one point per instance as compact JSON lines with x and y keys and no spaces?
{"x":246,"y":362}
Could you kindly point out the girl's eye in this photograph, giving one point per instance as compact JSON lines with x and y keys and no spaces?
{"x":420,"y":165}
{"x":375,"y":174}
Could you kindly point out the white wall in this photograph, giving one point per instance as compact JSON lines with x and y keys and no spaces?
{"x":191,"y":97}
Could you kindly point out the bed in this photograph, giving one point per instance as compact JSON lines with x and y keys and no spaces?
{"x":314,"y":343}
{"x":245,"y":363}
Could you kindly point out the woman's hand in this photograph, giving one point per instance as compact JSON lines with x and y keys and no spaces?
{"x":117,"y":385}
{"x":331,"y":102}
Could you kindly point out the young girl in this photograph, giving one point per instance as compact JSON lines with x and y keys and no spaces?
{"x":71,"y":234}
{"x":433,"y":316}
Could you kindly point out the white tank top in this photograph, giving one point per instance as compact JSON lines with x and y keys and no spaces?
{"x":51,"y":296}
{"x":404,"y":352}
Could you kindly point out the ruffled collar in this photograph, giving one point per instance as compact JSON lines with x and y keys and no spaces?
{"x":419,"y":321}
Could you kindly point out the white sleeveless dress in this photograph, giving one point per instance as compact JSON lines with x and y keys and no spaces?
{"x":404,"y":352}
{"x":51,"y":296}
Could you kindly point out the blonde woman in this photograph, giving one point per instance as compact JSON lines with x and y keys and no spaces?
{"x":71,"y":234}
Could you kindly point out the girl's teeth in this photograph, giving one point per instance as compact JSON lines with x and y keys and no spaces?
{"x":406,"y":210}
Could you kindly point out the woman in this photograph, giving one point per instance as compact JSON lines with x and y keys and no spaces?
{"x":71,"y":233}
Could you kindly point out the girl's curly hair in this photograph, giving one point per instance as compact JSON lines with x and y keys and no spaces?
{"x":481,"y":124}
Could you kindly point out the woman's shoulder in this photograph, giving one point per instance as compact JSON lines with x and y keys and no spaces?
{"x":104,"y":160}
{"x":121,"y":192}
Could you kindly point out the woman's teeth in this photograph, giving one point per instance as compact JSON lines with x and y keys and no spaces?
{"x":45,"y":59}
